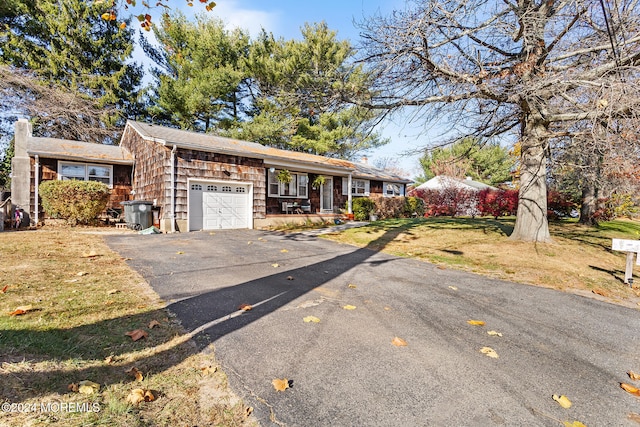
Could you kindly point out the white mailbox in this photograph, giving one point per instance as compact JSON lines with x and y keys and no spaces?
{"x":631,"y":247}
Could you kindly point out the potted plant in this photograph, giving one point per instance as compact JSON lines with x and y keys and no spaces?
{"x":318,"y":181}
{"x":284,"y":176}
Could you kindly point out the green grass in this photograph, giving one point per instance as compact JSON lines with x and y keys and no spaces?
{"x":579,"y":259}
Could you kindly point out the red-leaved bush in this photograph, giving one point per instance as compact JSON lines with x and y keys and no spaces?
{"x":449,"y":201}
{"x":497,"y":202}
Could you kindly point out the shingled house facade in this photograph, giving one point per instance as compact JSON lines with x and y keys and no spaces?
{"x":201,"y":181}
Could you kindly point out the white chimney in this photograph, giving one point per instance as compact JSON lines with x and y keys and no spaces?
{"x":364,"y":160}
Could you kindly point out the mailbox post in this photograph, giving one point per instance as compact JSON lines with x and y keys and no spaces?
{"x":631,"y":247}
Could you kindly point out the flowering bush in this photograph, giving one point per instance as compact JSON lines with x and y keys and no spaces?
{"x":497,"y":202}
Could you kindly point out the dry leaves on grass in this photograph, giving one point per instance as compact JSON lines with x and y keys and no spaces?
{"x":84,"y":387}
{"x":137,"y":334}
{"x":562,"y":400}
{"x":109,"y":359}
{"x":489,"y":352}
{"x":601,"y":292}
{"x":140,"y":395}
{"x":476,"y":322}
{"x":280,"y":384}
{"x":209,"y":370}
{"x":153,"y":324}
{"x":399,"y":342}
{"x":135,"y":373}
{"x":630,"y":389}
{"x":90,"y":254}
{"x":4,"y":289}
{"x":311,"y":319}
{"x":23,"y":309}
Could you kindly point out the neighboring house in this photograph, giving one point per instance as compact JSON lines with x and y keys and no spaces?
{"x":200,"y":181}
{"x":441,"y":182}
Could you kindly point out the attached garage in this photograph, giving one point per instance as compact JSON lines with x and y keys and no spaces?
{"x":216,"y":205}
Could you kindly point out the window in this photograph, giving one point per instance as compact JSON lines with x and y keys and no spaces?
{"x":226,"y":189}
{"x":196,"y":187}
{"x":392,"y":189}
{"x":297,"y":187}
{"x":359,"y":187}
{"x":212,"y":188}
{"x":86,"y":172}
{"x":241,"y":190}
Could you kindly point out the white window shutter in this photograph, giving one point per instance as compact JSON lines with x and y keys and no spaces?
{"x":367,"y":188}
{"x":345,"y":186}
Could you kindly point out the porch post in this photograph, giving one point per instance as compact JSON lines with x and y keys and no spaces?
{"x":349,"y":195}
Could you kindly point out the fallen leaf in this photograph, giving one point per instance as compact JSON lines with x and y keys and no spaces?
{"x":352,"y":286}
{"x":399,"y":342}
{"x":73,"y":387}
{"x":387,"y":308}
{"x":90,"y":254}
{"x":633,"y":376}
{"x":275,"y":265}
{"x":634,"y":417}
{"x":4,"y":290}
{"x":284,"y":251}
{"x":136,"y":396}
{"x":630,"y":389}
{"x":148,"y":396}
{"x":289,"y":277}
{"x":81,"y":273}
{"x":260,"y":238}
{"x":249,"y":242}
{"x":562,"y":401}
{"x":153,"y":324}
{"x":494,"y":333}
{"x":137,"y":334}
{"x":349,"y":307}
{"x":180,"y":252}
{"x":489,"y":352}
{"x":441,"y":267}
{"x":455,"y":288}
{"x":23,"y":309}
{"x":601,"y":292}
{"x":88,"y":387}
{"x":108,"y":359}
{"x":211,"y":233}
{"x":475,"y":322}
{"x":280,"y":384}
{"x":135,"y":373}
{"x":311,"y":319}
{"x":573,"y":424}
{"x":245,"y":307}
{"x":112,"y":291}
{"x":108,"y":302}
{"x":209,"y":370}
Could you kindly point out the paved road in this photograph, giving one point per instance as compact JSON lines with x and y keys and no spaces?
{"x":346,"y":372}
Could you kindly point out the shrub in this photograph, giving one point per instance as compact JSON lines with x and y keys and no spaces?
{"x":497,"y":202}
{"x":79,"y":202}
{"x":413,"y":206}
{"x":449,"y":201}
{"x":362,"y":207}
{"x":559,"y":205}
{"x":389,"y":207}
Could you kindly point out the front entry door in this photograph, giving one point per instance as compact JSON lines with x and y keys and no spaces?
{"x":326,"y":197}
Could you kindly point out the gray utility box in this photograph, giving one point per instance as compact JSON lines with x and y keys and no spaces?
{"x":137,"y":214}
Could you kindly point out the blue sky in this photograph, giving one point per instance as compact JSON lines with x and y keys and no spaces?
{"x":284,"y":18}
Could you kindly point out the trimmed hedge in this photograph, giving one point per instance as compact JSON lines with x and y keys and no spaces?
{"x":362,"y":207}
{"x":78,"y":202}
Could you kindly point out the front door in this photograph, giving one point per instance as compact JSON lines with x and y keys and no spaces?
{"x":326,"y":195}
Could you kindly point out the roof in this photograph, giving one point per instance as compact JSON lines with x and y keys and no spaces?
{"x":441,"y":181}
{"x":79,"y":151}
{"x":272,"y":156}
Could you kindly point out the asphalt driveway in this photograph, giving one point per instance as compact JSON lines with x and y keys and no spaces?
{"x":345,"y":371}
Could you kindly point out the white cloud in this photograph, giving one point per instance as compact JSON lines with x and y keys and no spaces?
{"x":252,"y":20}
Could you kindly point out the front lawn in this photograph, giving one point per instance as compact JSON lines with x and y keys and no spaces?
{"x":580,"y":258}
{"x":79,"y":301}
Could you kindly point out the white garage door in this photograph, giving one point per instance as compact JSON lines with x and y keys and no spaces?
{"x":215,"y":205}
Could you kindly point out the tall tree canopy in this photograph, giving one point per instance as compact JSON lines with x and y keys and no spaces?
{"x":297,"y":100}
{"x":65,"y":45}
{"x":536,"y":68}
{"x":489,"y":163}
{"x":201,"y":75}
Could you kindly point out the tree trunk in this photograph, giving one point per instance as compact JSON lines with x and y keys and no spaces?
{"x":588,"y":207}
{"x":531,"y":220}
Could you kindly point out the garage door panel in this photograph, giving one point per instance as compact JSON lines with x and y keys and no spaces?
{"x":222,"y":206}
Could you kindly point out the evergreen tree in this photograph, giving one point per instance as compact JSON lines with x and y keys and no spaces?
{"x":67,"y":45}
{"x":200,"y":78}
